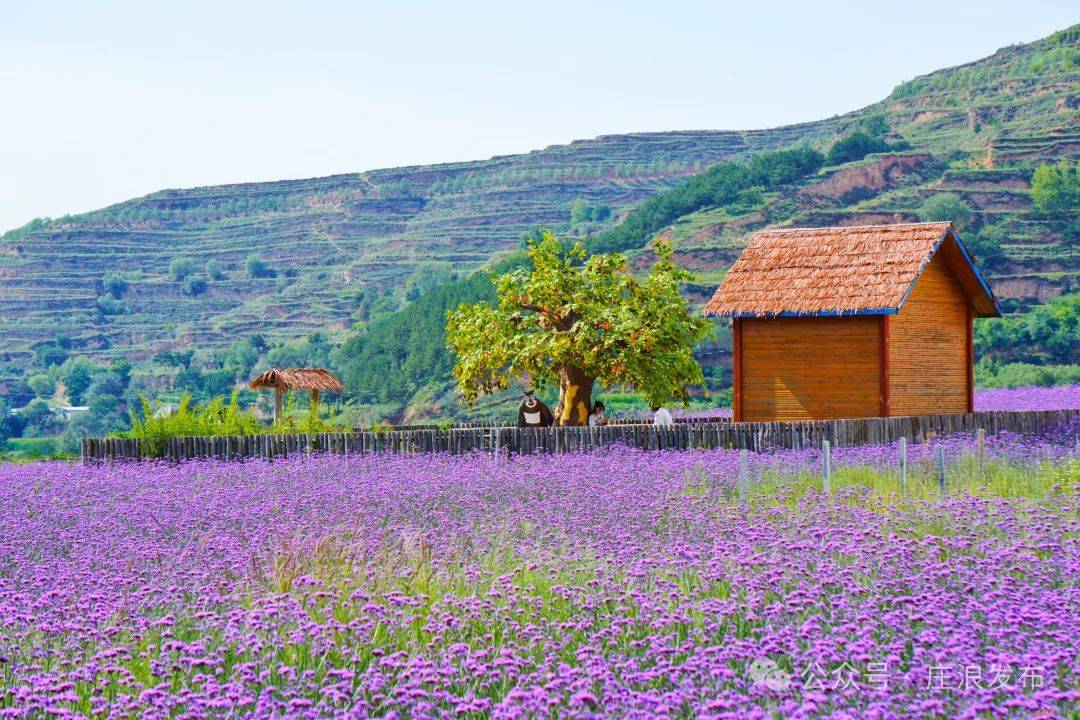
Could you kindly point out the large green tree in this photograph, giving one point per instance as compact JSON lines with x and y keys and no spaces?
{"x":1056,"y":188}
{"x":574,"y":320}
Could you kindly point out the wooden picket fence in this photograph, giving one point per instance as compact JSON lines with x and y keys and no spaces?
{"x":706,"y":434}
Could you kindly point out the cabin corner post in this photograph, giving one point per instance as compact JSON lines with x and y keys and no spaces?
{"x":736,"y":363}
{"x":277,"y":403}
{"x":883,"y":365}
{"x":970,"y":360}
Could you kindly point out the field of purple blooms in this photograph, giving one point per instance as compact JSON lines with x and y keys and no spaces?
{"x":1028,"y":398}
{"x":616,"y":583}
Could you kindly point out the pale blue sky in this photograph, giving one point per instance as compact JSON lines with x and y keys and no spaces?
{"x":104,"y":101}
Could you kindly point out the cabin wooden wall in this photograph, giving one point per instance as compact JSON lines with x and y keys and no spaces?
{"x":809,"y":368}
{"x":929,"y":354}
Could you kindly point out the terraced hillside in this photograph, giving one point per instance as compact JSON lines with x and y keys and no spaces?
{"x":975,"y":130}
{"x":323,"y":239}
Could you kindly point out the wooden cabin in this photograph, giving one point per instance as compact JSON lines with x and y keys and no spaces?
{"x":848,"y":322}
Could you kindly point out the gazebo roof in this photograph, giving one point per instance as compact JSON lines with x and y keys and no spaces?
{"x":867,"y":270}
{"x":297,"y":379}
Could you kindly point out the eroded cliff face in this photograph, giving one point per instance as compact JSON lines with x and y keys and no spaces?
{"x":865,"y":179}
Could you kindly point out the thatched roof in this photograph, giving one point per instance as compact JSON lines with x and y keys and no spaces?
{"x":297,"y":379}
{"x":867,"y":270}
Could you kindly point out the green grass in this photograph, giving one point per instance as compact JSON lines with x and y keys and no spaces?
{"x":869,"y":487}
{"x":32,"y":450}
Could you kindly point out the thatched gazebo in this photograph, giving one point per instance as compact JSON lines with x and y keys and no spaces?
{"x":310,"y":379}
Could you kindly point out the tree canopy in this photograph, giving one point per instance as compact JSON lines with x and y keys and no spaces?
{"x":181,"y":267}
{"x":943,"y":207}
{"x":574,"y":320}
{"x":1056,"y":188}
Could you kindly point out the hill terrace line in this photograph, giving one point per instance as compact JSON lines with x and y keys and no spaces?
{"x":853,"y":322}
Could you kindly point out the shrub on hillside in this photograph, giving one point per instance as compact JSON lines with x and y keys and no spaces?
{"x":855,"y":146}
{"x":114,"y":284}
{"x":194,"y":285}
{"x":78,"y":373}
{"x":41,"y":385}
{"x":1056,"y":188}
{"x":214,"y":271}
{"x":181,"y":267}
{"x":986,"y":245}
{"x":945,"y":207}
{"x":108,"y":305}
{"x":256,"y":267}
{"x":583,"y":211}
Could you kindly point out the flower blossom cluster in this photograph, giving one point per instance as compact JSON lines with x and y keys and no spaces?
{"x":615,"y":583}
{"x":1028,"y":398}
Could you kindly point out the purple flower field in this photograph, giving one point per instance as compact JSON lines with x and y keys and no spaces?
{"x":1028,"y":398}
{"x":611,"y":584}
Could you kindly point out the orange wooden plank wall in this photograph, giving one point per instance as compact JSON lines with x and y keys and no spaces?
{"x":929,"y":351}
{"x":809,"y":368}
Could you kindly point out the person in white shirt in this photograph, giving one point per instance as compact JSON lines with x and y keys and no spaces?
{"x":662,"y":417}
{"x":596,"y":417}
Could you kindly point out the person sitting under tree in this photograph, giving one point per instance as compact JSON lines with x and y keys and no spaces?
{"x":662,"y":417}
{"x":596,"y":417}
{"x":533,"y":412}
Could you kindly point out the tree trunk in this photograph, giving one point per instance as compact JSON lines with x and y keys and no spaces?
{"x":575,"y":397}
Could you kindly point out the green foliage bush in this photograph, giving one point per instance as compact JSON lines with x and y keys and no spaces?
{"x":855,"y":146}
{"x":213,"y":270}
{"x":1056,"y":188}
{"x":582,"y":211}
{"x":41,"y":385}
{"x":1045,"y":335}
{"x":256,"y":267}
{"x":945,"y":207}
{"x":986,"y":245}
{"x":109,"y":305}
{"x":214,"y":418}
{"x":115,"y":284}
{"x":181,"y":267}
{"x":77,"y":374}
{"x":36,"y":417}
{"x":194,"y":285}
{"x":990,"y":374}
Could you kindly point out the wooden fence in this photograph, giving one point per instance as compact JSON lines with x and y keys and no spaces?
{"x":703,"y":434}
{"x":677,"y":419}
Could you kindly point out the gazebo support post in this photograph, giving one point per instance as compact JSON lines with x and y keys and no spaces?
{"x":313,"y":380}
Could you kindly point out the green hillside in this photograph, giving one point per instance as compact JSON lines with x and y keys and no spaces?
{"x":387,"y":250}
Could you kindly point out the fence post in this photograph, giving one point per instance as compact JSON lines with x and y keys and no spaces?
{"x":980,"y":453}
{"x":743,"y":472}
{"x":903,"y":463}
{"x":941,"y":468}
{"x":826,"y":467}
